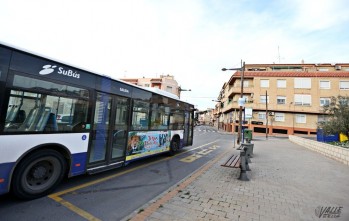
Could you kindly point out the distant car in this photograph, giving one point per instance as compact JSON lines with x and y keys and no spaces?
{"x":64,"y":118}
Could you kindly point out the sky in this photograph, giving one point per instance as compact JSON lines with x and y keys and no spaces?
{"x":189,"y":39}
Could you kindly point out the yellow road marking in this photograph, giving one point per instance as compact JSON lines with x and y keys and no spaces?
{"x":75,"y":209}
{"x":199,"y":147}
{"x":56,"y":196}
{"x":198,"y":155}
{"x":191,"y":158}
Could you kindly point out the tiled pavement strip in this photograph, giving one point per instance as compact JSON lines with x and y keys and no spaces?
{"x":288,"y":182}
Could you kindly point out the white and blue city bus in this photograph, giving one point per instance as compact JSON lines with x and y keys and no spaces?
{"x":57,"y":120}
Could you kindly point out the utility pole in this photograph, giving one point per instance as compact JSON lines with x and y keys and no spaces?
{"x":241,"y":97}
{"x":242,"y":69}
{"x":266,"y":115}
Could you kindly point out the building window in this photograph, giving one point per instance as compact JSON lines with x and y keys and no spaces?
{"x":302,"y":99}
{"x":261,"y":115}
{"x":324,"y":101}
{"x":302,"y":83}
{"x":169,"y":89}
{"x":264,"y":83}
{"x":322,"y":118}
{"x":263,"y":99}
{"x":325,"y":85}
{"x":281,"y":83}
{"x":146,"y":85}
{"x":343,"y":101}
{"x":301,"y":118}
{"x":245,"y":83}
{"x":344,"y":85}
{"x":280,"y":117}
{"x":281,"y":99}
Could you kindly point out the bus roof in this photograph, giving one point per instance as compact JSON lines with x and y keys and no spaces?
{"x":153,"y":90}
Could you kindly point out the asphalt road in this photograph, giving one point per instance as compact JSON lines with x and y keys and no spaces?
{"x":114,"y":195}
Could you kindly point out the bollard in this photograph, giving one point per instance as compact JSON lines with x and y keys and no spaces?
{"x":243,"y":163}
{"x":249,"y":149}
{"x":247,"y":159}
{"x":246,"y":148}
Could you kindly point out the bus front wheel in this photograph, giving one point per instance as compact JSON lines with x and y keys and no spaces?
{"x":38,"y":174}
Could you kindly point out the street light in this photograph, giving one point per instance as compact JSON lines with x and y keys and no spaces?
{"x":241,"y":96}
{"x":180,"y":89}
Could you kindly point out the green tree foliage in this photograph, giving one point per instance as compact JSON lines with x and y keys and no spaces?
{"x":337,"y":112}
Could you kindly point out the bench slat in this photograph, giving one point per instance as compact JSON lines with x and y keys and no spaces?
{"x":233,"y":161}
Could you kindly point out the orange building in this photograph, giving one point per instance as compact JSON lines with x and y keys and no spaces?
{"x":164,"y":82}
{"x":285,"y":98}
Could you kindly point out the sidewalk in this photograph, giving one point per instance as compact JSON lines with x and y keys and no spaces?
{"x":287,"y":182}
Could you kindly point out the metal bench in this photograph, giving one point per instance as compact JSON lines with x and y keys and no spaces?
{"x":239,"y":161}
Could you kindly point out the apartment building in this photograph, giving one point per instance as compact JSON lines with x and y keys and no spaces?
{"x":205,"y":117}
{"x":164,"y":82}
{"x":281,"y":98}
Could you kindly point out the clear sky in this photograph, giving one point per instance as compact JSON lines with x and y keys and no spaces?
{"x":190,"y":39}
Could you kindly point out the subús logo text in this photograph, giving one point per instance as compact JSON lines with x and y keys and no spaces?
{"x":48,"y":69}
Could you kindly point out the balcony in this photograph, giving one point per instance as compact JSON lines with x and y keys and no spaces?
{"x":237,"y":90}
{"x":234,"y":105}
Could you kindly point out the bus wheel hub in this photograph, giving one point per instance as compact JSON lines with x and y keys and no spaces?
{"x":39,"y":172}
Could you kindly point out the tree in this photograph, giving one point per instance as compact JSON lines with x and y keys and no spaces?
{"x":337,"y":116}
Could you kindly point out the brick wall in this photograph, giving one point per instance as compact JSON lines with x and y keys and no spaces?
{"x":338,"y":153}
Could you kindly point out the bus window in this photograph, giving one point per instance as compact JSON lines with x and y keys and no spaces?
{"x":140,"y":115}
{"x":159,"y":117}
{"x":177,"y":120}
{"x":38,"y":111}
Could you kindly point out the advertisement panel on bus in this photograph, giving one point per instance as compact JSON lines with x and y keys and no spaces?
{"x":146,"y":143}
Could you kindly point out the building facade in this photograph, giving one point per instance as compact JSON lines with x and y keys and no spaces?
{"x":205,"y":117}
{"x":281,"y":98}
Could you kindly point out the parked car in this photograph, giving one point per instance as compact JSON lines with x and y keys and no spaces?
{"x":64,"y":118}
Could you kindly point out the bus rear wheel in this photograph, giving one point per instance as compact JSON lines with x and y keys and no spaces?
{"x":174,"y":146}
{"x":38,"y":174}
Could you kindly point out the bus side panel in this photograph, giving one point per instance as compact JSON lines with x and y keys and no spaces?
{"x":78,"y":164}
{"x":13,"y":148}
{"x":5,"y":171}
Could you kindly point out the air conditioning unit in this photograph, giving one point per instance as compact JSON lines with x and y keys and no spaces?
{"x":338,"y":67}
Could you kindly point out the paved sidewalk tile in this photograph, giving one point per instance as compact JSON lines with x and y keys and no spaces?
{"x":287,"y":182}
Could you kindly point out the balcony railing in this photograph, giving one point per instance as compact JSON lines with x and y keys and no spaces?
{"x":237,"y":90}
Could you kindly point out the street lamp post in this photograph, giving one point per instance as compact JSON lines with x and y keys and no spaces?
{"x":180,"y":89}
{"x":242,"y":69}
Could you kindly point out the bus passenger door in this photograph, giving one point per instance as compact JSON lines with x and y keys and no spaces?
{"x":191,"y":128}
{"x":109,"y":132}
{"x":101,"y":128}
{"x":186,"y":128}
{"x":119,"y":136}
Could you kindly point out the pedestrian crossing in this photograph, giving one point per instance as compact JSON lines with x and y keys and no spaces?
{"x":205,"y":130}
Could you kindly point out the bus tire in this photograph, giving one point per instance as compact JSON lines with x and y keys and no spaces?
{"x":38,"y":174}
{"x":174,"y":146}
